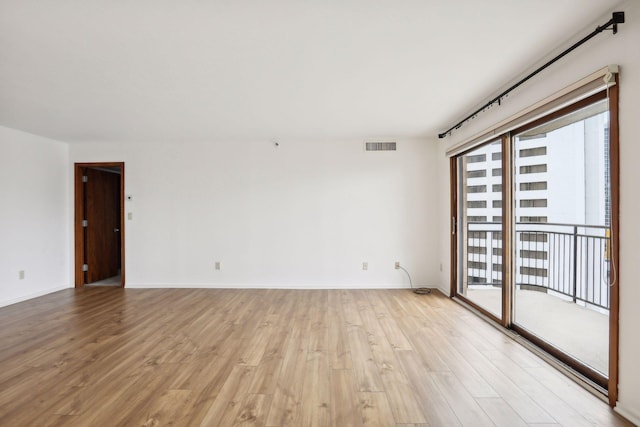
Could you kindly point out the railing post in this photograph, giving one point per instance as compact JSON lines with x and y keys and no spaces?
{"x":575,"y":263}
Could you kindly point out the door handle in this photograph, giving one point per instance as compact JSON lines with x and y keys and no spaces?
{"x":116,"y":230}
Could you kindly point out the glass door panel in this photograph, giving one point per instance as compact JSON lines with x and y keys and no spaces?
{"x":479,"y":225}
{"x":562,"y":229}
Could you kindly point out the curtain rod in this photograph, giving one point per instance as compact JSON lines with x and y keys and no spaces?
{"x":616,"y":18}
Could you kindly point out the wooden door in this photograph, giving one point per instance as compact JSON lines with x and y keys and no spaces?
{"x":102,"y":232}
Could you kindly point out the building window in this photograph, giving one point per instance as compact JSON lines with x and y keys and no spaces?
{"x":476,"y":218}
{"x":496,"y":219}
{"x":534,"y":237}
{"x":531,"y":186}
{"x":477,"y":158}
{"x":473,"y":204}
{"x":533,"y":271}
{"x":496,"y":188}
{"x":477,"y":265}
{"x":476,"y":189}
{"x":496,"y":156}
{"x":530,"y":137}
{"x":533,"y":169}
{"x":477,"y":250}
{"x":496,"y":203}
{"x":481,"y":235}
{"x":533,"y":254}
{"x":541,"y":219}
{"x":530,"y":152}
{"x":497,"y":252}
{"x":496,"y":172}
{"x":533,"y":203}
{"x":477,"y":174}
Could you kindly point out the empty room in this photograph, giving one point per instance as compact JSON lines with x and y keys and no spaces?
{"x":355,"y":213}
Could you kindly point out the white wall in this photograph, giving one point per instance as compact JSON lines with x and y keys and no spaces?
{"x":298,"y":215}
{"x":621,"y":49}
{"x":35,"y":237}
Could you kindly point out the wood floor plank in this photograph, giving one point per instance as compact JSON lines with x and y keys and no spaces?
{"x":339,"y":349}
{"x":263,"y":334}
{"x":169,"y":409}
{"x":553,"y":404}
{"x":131,"y":400}
{"x":232,"y":392}
{"x":425,"y":343}
{"x":473,"y":382}
{"x":435,"y":408}
{"x":253,"y":410}
{"x":150,"y":357}
{"x":375,"y":410}
{"x":500,"y":412}
{"x":458,"y":398}
{"x":520,"y":401}
{"x":316,"y":392}
{"x":287,"y":399}
{"x":586,"y":404}
{"x":350,"y":308}
{"x":364,"y":367}
{"x":400,"y":393}
{"x":265,"y":379}
{"x":344,"y":399}
{"x":392,"y":331}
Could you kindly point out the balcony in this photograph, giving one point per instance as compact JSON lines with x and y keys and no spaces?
{"x":562,"y":274}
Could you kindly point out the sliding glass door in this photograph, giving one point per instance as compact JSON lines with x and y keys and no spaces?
{"x":534,"y":245}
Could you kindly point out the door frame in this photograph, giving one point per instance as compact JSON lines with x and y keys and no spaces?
{"x":79,"y":216}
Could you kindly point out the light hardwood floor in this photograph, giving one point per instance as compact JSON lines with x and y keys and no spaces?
{"x":189,"y":357}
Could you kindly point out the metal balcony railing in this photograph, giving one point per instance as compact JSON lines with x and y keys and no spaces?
{"x":573,"y":260}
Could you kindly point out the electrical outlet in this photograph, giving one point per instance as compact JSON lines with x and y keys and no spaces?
{"x":130,"y":216}
{"x":21,"y":274}
{"x":217,"y":265}
{"x":397,"y":265}
{"x":365,"y":265}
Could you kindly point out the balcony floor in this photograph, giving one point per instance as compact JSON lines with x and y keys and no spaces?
{"x":579,"y":331}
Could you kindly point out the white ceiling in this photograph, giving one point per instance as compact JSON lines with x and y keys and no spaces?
{"x":180,"y":70}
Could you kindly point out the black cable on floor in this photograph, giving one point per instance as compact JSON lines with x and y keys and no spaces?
{"x":419,"y":291}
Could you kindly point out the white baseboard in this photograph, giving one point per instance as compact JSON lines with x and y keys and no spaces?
{"x":635,"y":419}
{"x":269,"y":286}
{"x":4,"y":303}
{"x":445,"y":290}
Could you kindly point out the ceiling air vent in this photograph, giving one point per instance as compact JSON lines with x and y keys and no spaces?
{"x":379,"y":146}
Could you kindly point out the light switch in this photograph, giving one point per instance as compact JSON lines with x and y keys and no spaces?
{"x":130,"y":215}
